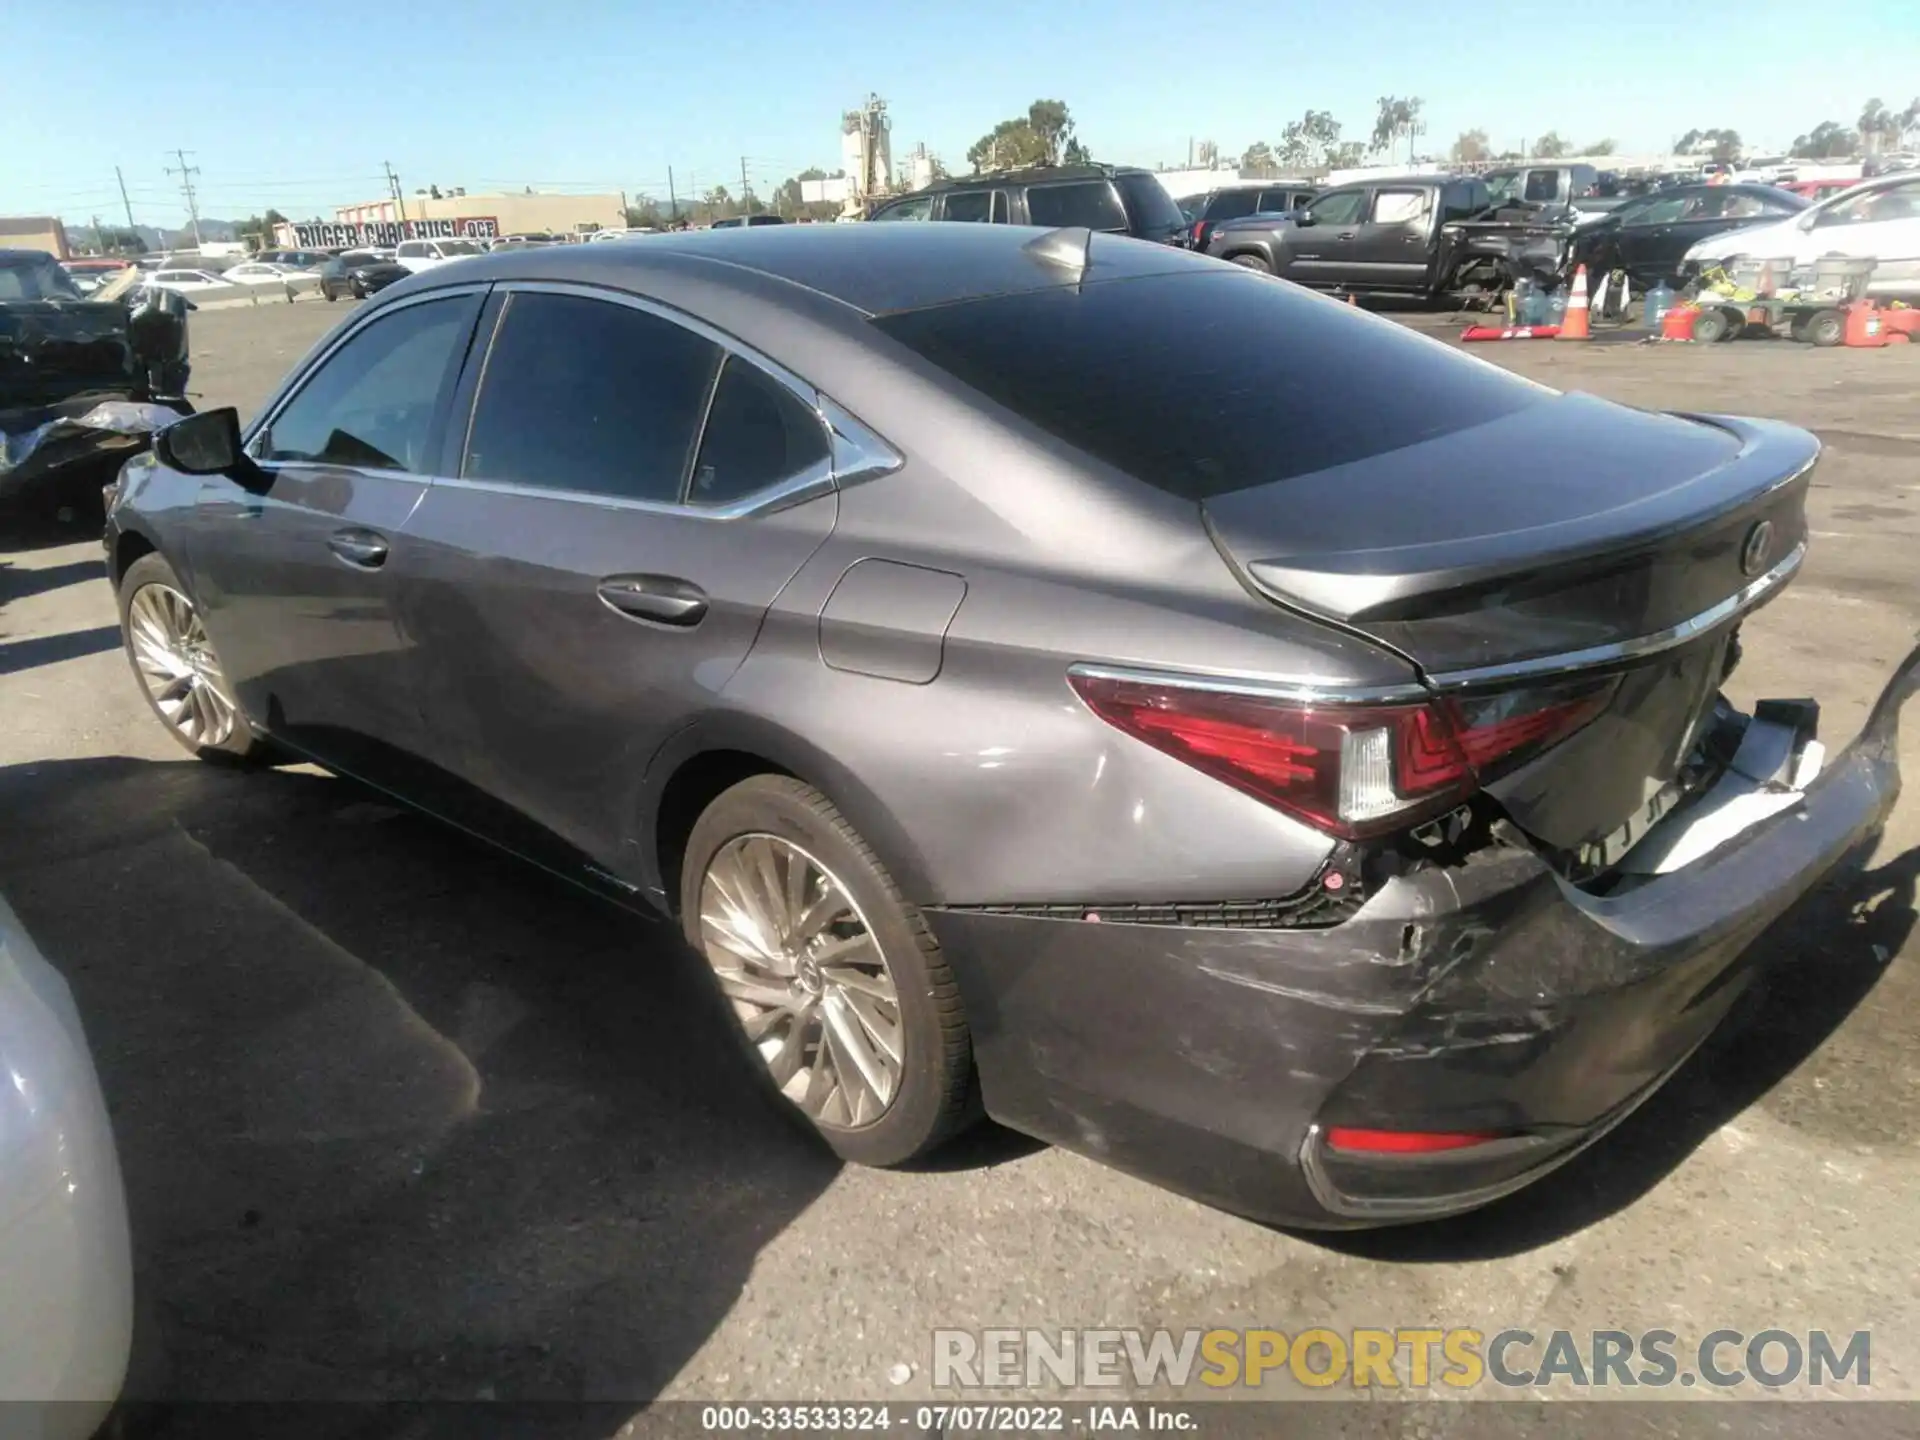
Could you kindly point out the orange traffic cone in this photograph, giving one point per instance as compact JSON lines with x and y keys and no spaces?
{"x":1573,"y":325}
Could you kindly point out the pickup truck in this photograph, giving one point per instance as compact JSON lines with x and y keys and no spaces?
{"x":62,"y":355}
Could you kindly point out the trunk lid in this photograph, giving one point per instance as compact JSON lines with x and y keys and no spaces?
{"x":1569,"y":535}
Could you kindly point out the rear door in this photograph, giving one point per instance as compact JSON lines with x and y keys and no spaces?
{"x":633,"y":494}
{"x":1094,"y":204}
{"x":1389,"y":250}
{"x":1645,"y":237}
{"x":1717,"y":210}
{"x":1320,"y":252}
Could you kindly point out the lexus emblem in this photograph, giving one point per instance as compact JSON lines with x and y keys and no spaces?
{"x":1758,"y":549}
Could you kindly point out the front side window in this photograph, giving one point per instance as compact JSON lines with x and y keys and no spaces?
{"x":919,"y":207}
{"x":587,"y":395}
{"x":1399,"y":207}
{"x":372,"y":403}
{"x":1542,"y":186}
{"x":970,"y":206}
{"x":412,"y":249}
{"x":758,"y":434}
{"x":1089,"y":203}
{"x":1338,"y":207}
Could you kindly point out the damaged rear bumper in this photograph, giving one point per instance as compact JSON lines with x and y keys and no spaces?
{"x":1490,"y":998}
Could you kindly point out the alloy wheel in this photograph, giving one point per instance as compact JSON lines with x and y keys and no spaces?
{"x":177,"y":663}
{"x":805,"y":977}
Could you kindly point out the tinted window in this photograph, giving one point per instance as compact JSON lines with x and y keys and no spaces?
{"x":1542,"y":185}
{"x":1178,"y":379}
{"x":1399,"y":207}
{"x":757,"y":435}
{"x":36,"y":279}
{"x":1338,"y":207}
{"x":372,"y":402}
{"x":1232,"y":204}
{"x":970,"y":205}
{"x":919,"y":207}
{"x":999,"y":207}
{"x":1153,"y":208}
{"x":412,"y":248}
{"x":1091,"y":203}
{"x":587,"y":395}
{"x":1274,"y":202}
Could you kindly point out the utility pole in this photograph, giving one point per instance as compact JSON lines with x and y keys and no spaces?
{"x":123,"y":195}
{"x":186,"y":173}
{"x":1189,"y":152}
{"x":673,"y":200}
{"x":746,"y":187}
{"x":399,"y":203}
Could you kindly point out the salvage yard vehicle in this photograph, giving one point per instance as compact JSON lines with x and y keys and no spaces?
{"x":1261,"y":776}
{"x":418,"y":255}
{"x":1235,"y":202}
{"x":1395,"y":236}
{"x":1876,"y":220}
{"x":1110,"y":199}
{"x":359,"y":273}
{"x":1649,"y":237}
{"x":66,"y":1257}
{"x":63,"y":357}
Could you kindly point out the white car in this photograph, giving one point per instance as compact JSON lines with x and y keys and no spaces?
{"x":1878,"y":220}
{"x":266,"y":272}
{"x":418,"y":255}
{"x":202,"y":284}
{"x":63,"y":1213}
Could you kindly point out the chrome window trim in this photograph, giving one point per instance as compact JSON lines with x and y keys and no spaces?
{"x":1260,"y":687}
{"x":304,"y":376}
{"x":854,"y":452}
{"x":1637,"y":648}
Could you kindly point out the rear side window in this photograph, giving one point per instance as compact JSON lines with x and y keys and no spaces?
{"x":1153,"y":207}
{"x":1542,"y":185}
{"x":1203,"y":384}
{"x":758,"y":434}
{"x":1399,"y":207}
{"x":1090,"y":203}
{"x":919,"y":207}
{"x":1232,"y":204}
{"x":586,"y":395}
{"x":970,"y":205}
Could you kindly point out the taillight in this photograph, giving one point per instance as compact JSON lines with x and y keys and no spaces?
{"x":1405,"y":1142}
{"x":1199,"y":234}
{"x":1350,"y":770}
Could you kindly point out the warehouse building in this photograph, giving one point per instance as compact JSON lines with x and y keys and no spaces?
{"x":456,"y":213}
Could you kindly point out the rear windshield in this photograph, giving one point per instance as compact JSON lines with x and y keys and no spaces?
{"x":1203,"y":384}
{"x":1153,"y":207}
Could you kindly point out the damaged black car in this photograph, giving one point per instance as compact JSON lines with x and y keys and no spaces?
{"x":84,"y":380}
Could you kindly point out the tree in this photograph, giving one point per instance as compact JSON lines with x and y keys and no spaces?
{"x":1880,"y":128}
{"x":1347,"y":155}
{"x":1722,"y":145}
{"x":1910,"y":118}
{"x":258,"y":228}
{"x":1050,"y":121}
{"x":1600,"y":147}
{"x":1008,"y":146}
{"x":720,"y":204}
{"x":1258,"y":163}
{"x":1471,"y":148}
{"x":1550,"y":146}
{"x":1306,"y":143}
{"x":1397,"y":118}
{"x":1826,"y":141}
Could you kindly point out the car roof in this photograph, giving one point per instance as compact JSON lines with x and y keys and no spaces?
{"x":876,"y":269}
{"x":1033,"y":175}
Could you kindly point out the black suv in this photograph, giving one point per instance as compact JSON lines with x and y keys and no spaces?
{"x":1247,"y":197}
{"x":1117,"y":199}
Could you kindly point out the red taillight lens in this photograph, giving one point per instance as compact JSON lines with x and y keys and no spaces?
{"x":1199,"y":234}
{"x":1350,"y":770}
{"x":1404,"y":1142}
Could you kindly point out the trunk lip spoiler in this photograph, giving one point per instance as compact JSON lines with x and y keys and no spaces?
{"x":1305,"y":690}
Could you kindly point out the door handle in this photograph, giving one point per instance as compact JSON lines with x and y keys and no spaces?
{"x":360,"y":548}
{"x":1344,"y":235}
{"x":657,"y":598}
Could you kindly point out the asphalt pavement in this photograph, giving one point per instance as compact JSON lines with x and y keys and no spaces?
{"x":402,"y":1119}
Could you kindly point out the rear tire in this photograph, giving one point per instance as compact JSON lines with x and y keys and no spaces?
{"x":1251,"y":262}
{"x":773,"y":882}
{"x":358,"y":288}
{"x":1825,"y":328}
{"x":1709,"y":327}
{"x":178,"y":670}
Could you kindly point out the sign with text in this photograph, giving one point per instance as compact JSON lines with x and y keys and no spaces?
{"x":342,"y":235}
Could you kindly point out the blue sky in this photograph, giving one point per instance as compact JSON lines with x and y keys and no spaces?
{"x":289,"y":107}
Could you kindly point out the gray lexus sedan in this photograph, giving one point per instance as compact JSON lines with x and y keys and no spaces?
{"x":1194,"y":721}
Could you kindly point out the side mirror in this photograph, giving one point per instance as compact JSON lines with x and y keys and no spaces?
{"x":1305,"y":217}
{"x":204,"y":444}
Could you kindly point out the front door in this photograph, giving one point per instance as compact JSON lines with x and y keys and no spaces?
{"x":1389,"y":248}
{"x":1883,"y":225}
{"x":297,"y":584}
{"x":1320,"y":252}
{"x":632,"y":498}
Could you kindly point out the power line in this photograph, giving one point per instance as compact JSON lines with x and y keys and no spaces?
{"x":186,"y":173}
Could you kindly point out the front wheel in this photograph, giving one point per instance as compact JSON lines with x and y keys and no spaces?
{"x":178,"y":669}
{"x":1251,"y":262}
{"x":359,"y":288}
{"x":836,"y":987}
